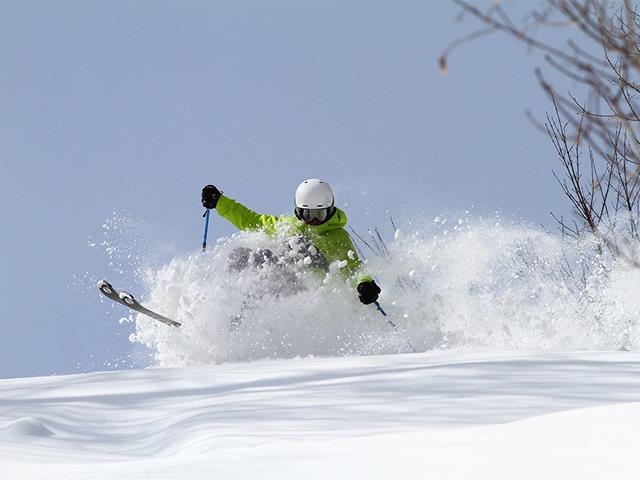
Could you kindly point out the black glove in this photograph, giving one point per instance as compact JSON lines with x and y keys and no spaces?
{"x":368,"y":292}
{"x":210,"y":196}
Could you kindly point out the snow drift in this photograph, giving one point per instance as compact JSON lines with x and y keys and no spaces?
{"x":441,"y":415}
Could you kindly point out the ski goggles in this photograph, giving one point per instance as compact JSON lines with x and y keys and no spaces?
{"x":314,"y":215}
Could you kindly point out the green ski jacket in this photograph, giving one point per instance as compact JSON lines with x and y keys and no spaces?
{"x":330,"y":238}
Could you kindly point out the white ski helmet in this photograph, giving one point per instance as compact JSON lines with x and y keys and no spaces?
{"x":314,"y":193}
{"x":314,"y":202}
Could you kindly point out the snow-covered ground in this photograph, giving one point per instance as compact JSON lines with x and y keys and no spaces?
{"x":441,"y":415}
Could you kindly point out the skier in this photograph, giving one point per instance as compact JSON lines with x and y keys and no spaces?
{"x":316,"y":219}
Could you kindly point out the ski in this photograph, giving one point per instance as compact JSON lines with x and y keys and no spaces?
{"x":129,"y":301}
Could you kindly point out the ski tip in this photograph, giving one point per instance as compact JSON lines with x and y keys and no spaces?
{"x":128,"y":300}
{"x":105,"y":286}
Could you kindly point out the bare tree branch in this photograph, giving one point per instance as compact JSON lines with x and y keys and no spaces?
{"x":600,"y":53}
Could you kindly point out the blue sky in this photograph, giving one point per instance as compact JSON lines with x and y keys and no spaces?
{"x":118,"y":106}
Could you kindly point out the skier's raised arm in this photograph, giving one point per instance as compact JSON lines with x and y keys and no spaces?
{"x":236,"y":213}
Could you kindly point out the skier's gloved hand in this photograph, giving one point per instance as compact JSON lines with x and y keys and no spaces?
{"x":210,"y":196}
{"x":368,"y":292}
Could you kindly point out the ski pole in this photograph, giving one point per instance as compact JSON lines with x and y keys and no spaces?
{"x":395,"y":327}
{"x":384,"y":314}
{"x":206,"y":229}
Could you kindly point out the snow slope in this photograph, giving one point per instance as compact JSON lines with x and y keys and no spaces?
{"x":429,"y":415}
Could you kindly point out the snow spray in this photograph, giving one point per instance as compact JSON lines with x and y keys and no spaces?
{"x":466,"y":283}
